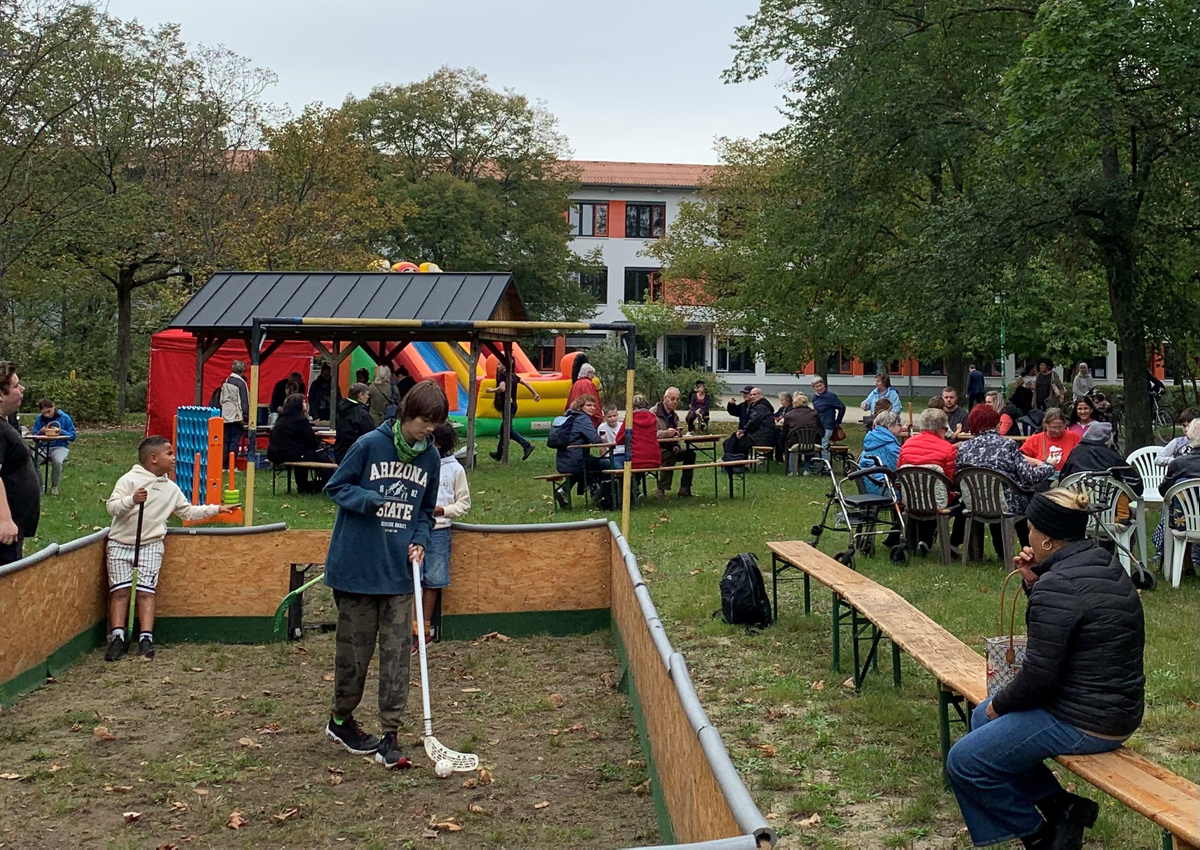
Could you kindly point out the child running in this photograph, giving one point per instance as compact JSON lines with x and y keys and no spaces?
{"x":386,"y":492}
{"x":453,"y":501}
{"x":146,"y":484}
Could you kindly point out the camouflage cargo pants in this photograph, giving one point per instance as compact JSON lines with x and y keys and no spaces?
{"x":361,"y":619}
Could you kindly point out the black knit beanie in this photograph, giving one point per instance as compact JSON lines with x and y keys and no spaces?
{"x":1055,"y":521}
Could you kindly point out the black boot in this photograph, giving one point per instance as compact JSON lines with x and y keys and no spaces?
{"x":1069,"y":815}
{"x":1043,"y":839}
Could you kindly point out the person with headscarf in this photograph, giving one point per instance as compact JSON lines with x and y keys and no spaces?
{"x":1083,"y":384}
{"x":1079,"y":691}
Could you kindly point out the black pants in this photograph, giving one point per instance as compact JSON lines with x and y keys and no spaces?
{"x":670,"y":458}
{"x":312,"y":480}
{"x":975,"y":398}
{"x":927,"y":530}
{"x":736,"y":445}
{"x":233,"y":437}
{"x":10,"y":552}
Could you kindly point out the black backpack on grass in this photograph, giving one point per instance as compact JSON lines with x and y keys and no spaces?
{"x":743,"y":594}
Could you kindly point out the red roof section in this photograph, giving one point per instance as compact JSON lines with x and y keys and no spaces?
{"x":665,"y":175}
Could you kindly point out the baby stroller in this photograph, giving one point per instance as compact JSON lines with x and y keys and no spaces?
{"x":862,"y":515}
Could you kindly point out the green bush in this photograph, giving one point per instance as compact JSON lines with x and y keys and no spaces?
{"x":86,"y":400}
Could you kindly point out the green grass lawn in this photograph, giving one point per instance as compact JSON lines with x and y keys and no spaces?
{"x":867,"y":763}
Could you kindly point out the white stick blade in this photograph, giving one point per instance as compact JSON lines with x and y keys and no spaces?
{"x":463,"y":762}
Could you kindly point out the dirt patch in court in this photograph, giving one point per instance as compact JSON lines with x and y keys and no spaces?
{"x":165,"y":752}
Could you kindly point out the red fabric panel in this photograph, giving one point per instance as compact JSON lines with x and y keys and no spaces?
{"x":172,"y":380}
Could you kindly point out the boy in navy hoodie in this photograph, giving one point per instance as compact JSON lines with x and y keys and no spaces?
{"x":386,"y":490}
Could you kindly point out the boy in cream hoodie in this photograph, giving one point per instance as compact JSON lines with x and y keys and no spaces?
{"x":453,"y":501}
{"x":146,"y":484}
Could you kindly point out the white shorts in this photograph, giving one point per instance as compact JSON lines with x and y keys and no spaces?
{"x":120,"y":565}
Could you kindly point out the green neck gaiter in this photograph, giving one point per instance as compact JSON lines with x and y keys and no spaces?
{"x":404,"y":451}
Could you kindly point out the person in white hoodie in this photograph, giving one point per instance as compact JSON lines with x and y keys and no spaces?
{"x":453,"y":501}
{"x":146,"y":484}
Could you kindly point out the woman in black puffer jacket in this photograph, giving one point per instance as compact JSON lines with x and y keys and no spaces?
{"x":1080,"y":690}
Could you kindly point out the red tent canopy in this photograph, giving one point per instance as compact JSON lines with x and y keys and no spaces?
{"x":172,"y":381}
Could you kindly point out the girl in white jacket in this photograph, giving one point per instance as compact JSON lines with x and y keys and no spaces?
{"x":453,"y":501}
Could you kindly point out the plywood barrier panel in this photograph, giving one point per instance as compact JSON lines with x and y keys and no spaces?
{"x":697,"y":807}
{"x":46,"y":605}
{"x":528,"y":571}
{"x":243,"y":575}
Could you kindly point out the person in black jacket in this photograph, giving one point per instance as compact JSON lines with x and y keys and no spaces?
{"x":293,"y":439}
{"x":579,"y":462}
{"x":742,"y":408}
{"x":353,"y":419}
{"x":1080,"y":689}
{"x":758,"y":429}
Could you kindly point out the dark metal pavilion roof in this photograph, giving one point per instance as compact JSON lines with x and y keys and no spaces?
{"x":229,"y":301}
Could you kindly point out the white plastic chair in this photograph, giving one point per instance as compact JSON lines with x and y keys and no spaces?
{"x":1107,"y":519}
{"x":1143,"y":460}
{"x":1187,"y":493}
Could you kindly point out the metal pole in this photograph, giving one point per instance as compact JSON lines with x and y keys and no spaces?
{"x":256,"y":338}
{"x":335,"y":369}
{"x":199,"y":371}
{"x":472,"y":398}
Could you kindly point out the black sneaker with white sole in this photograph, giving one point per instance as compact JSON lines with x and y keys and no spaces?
{"x":146,"y":647}
{"x":351,"y":736}
{"x":560,"y":496}
{"x":389,"y":754}
{"x":116,"y":648}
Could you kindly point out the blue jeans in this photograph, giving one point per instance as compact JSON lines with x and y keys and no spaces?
{"x":435,"y":569}
{"x":825,"y":439}
{"x":997,"y":770}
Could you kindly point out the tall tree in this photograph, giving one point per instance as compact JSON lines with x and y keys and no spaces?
{"x":153,"y":121}
{"x":307,"y":200}
{"x":1105,"y":136}
{"x":481,"y":172}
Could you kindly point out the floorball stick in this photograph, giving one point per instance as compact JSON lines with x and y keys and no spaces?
{"x":137,"y":548}
{"x":462,"y":762}
{"x":281,"y":611}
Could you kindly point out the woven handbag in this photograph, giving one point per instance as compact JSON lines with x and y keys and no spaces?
{"x":1005,"y":654}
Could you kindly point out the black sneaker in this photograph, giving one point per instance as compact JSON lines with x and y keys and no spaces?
{"x":528,"y":451}
{"x":389,"y":754}
{"x":495,"y":455}
{"x":351,"y":736}
{"x":116,"y":648}
{"x":1071,"y":819}
{"x":560,"y":496}
{"x":146,"y":647}
{"x":922,"y":548}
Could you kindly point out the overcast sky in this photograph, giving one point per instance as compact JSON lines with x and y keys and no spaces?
{"x":635,"y":80}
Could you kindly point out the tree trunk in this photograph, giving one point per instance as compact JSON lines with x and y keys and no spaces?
{"x":1131,"y":338}
{"x":125,"y":287}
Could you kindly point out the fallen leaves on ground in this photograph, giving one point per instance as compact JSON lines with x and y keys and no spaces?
{"x":449,"y":824}
{"x":470,"y":782}
{"x":477,"y":809}
{"x":335,"y":775}
{"x":122,"y":789}
{"x":485,"y":776}
{"x":179,"y":806}
{"x":270,"y":729}
{"x":818,"y":685}
{"x":556,"y":700}
{"x":542,"y":804}
{"x":236,"y":821}
{"x":132,"y":817}
{"x":493,"y":636}
{"x":694,"y":572}
{"x":849,"y":683}
{"x":250,"y":743}
{"x":642,"y":789}
{"x":471,"y":690}
{"x":10,"y":776}
{"x":292,"y":812}
{"x":768,"y":750}
{"x":815,"y":820}
{"x":101,"y":733}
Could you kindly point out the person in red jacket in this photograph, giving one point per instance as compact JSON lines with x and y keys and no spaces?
{"x":646,"y":451}
{"x":930,"y":448}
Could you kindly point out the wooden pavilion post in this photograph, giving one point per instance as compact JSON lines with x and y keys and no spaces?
{"x":472,"y":398}
{"x":510,"y":387}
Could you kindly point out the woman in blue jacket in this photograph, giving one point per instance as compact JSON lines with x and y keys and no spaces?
{"x":882,"y":443}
